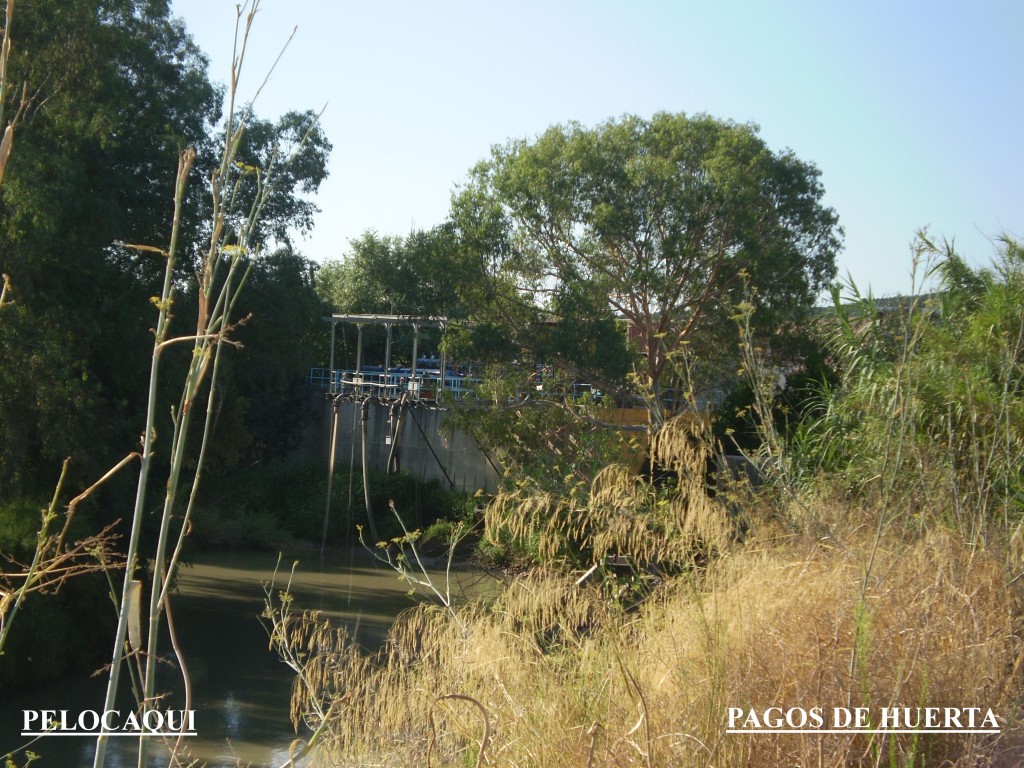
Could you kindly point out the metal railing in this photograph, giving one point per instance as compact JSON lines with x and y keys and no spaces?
{"x":425,"y":384}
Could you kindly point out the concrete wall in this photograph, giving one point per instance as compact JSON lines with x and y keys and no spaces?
{"x":457,"y":462}
{"x":427,"y":448}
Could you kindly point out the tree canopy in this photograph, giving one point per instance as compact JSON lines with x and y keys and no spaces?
{"x":424,"y":274}
{"x":421,"y":274}
{"x":119,"y":88}
{"x":659,"y":222}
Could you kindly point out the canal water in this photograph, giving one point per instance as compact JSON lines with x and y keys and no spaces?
{"x":241,"y":690}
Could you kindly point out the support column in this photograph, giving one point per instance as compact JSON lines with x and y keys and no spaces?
{"x":415,"y":346}
{"x":359,"y":357}
{"x":387,"y":361}
{"x":413,"y":379}
{"x":359,"y":347}
{"x":440,"y":385}
{"x":332,"y":386}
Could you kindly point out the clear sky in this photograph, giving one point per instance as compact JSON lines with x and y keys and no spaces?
{"x":913,"y":111}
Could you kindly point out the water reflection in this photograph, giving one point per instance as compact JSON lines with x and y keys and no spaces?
{"x":241,"y":690}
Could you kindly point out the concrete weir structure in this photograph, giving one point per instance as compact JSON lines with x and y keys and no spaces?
{"x":422,"y":445}
{"x":396,"y":412}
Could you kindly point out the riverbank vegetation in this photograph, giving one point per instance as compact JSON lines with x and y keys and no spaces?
{"x":877,"y":566}
{"x":279,"y":506}
{"x":875,"y":562}
{"x":83,"y":248}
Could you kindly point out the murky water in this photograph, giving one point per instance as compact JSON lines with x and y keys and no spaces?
{"x":241,"y":690}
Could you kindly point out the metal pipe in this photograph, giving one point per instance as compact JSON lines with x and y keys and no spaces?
{"x":393,"y":455}
{"x":330,"y":477}
{"x":359,"y":348}
{"x":415,"y":346}
{"x":387,"y":360}
{"x":364,"y":417}
{"x":331,"y":386}
{"x":440,"y":464}
{"x":440,"y":386}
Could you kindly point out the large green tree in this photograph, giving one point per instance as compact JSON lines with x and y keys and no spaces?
{"x":262,"y":399}
{"x":295,"y":150}
{"x":118,"y":88}
{"x":660,"y":222}
{"x":424,"y":274}
{"x":421,"y":274}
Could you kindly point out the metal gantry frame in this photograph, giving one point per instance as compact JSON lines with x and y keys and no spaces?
{"x":388,"y":321}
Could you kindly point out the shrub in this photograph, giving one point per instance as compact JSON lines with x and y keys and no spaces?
{"x":928,"y":416}
{"x":568,"y":679}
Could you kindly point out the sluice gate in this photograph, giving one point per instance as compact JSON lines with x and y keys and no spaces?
{"x":422,"y":444}
{"x":388,"y":418}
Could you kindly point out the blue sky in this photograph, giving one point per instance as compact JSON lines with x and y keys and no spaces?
{"x":912,"y":111}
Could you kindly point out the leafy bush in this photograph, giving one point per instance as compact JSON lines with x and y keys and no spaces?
{"x":275,"y":504}
{"x":59,"y":632}
{"x":19,"y":524}
{"x":667,"y":523}
{"x":929,"y":415}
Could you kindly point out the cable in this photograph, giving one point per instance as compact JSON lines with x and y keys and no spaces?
{"x":431,"y":448}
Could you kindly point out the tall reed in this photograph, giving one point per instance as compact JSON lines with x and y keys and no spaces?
{"x":885,"y":575}
{"x":220,"y":278}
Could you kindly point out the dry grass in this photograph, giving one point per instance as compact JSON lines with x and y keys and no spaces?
{"x":898,"y":585}
{"x":622,"y":513}
{"x":567,"y":679}
{"x":825,"y":605}
{"x":935,"y":627}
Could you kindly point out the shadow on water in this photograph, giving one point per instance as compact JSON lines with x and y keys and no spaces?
{"x":241,"y":690}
